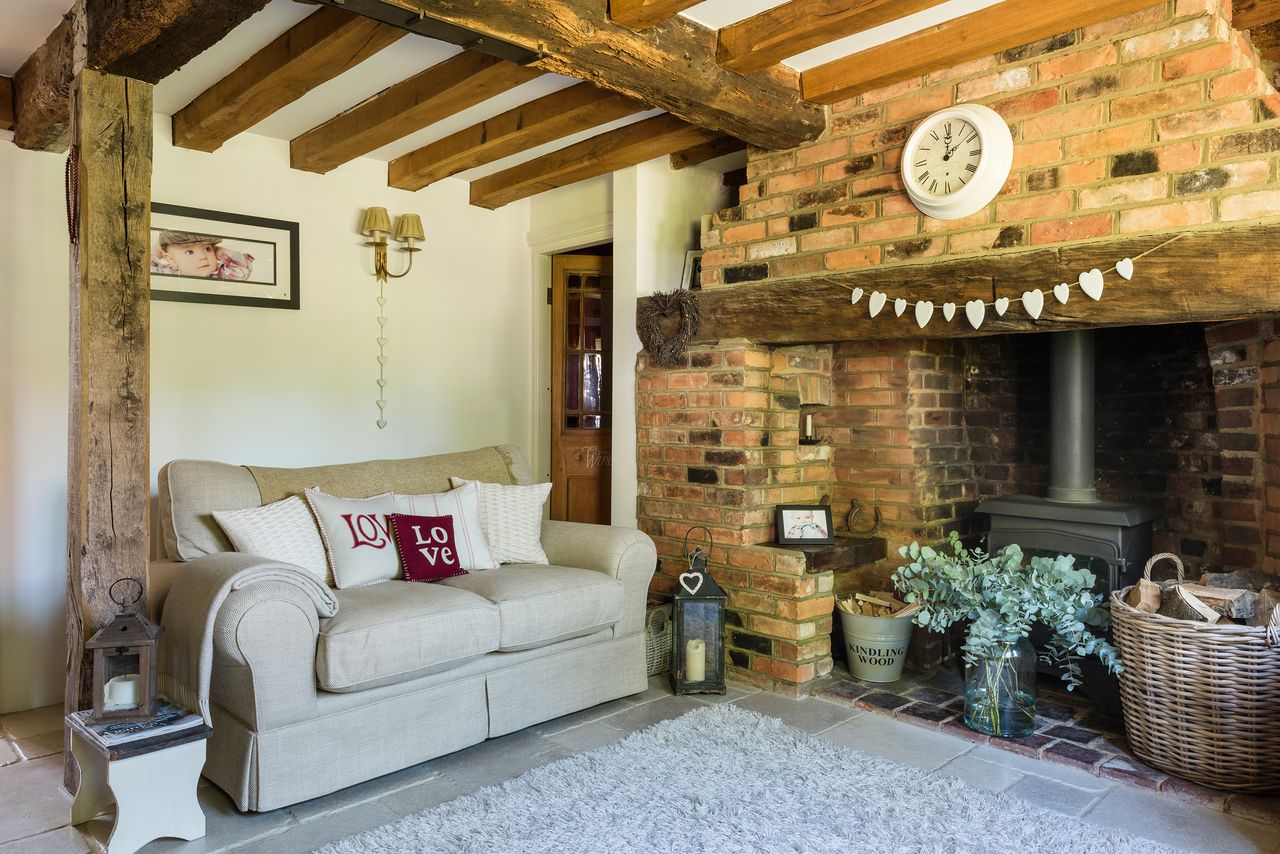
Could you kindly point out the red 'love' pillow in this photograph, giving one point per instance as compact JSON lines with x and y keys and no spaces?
{"x":426,"y":547}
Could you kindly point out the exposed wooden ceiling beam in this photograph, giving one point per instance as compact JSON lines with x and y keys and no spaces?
{"x":671,"y":66}
{"x":1247,"y":14}
{"x":6,"y":103}
{"x":551,"y":117}
{"x":704,"y":151}
{"x":775,"y":34}
{"x":599,"y":155}
{"x":986,"y":31}
{"x":145,"y":39}
{"x":318,"y":48}
{"x":1203,"y":276}
{"x":446,"y":88}
{"x":642,"y":14}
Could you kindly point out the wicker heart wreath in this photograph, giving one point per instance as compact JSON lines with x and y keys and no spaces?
{"x":666,"y":321}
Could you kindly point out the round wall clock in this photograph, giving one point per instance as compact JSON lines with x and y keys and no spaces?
{"x":956,"y":161}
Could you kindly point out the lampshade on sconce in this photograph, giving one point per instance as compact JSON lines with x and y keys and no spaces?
{"x":409,"y":228}
{"x":377,"y":224}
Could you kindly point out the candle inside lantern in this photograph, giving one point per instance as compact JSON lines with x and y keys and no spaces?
{"x":808,"y":426}
{"x":695,"y":660}
{"x":122,"y":692}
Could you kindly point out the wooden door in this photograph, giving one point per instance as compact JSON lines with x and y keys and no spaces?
{"x":581,"y":387}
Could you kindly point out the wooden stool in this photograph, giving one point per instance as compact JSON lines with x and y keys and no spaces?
{"x":151,"y":781}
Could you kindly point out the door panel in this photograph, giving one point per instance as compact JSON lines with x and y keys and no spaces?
{"x":581,"y":396}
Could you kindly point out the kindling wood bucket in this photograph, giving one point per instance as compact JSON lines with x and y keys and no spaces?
{"x":876,"y":646}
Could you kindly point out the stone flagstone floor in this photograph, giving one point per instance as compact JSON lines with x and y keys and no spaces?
{"x":33,"y":819}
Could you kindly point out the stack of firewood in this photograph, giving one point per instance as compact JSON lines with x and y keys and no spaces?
{"x":877,"y":603}
{"x":1246,"y":597}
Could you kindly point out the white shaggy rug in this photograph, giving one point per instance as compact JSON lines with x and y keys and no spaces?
{"x":724,"y":779}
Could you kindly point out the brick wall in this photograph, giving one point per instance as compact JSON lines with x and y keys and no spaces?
{"x":1152,"y":122}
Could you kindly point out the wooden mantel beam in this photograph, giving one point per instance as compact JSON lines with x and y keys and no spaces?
{"x":1247,"y":14}
{"x":640,"y":14}
{"x":989,"y":30}
{"x":142,"y":39}
{"x":317,"y":49}
{"x":1205,"y":276}
{"x":670,"y":66}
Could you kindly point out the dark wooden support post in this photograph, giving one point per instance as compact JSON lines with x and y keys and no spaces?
{"x":108,"y":474}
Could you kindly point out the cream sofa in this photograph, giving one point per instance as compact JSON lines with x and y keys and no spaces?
{"x":304,"y":704}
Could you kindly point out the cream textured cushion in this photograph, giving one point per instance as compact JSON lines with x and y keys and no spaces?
{"x":283,"y":531}
{"x":468,"y":535}
{"x":357,"y":537}
{"x":545,"y":604}
{"x":399,"y":630}
{"x":511,"y":518}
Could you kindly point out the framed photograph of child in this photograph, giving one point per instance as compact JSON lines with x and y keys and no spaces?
{"x":805,"y":525}
{"x":224,"y":258}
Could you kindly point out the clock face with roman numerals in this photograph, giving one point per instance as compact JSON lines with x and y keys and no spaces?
{"x":948,"y":157}
{"x":956,"y":161}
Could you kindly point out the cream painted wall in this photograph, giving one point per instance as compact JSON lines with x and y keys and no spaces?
{"x":250,"y":385}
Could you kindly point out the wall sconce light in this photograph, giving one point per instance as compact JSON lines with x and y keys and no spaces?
{"x":376,"y":225}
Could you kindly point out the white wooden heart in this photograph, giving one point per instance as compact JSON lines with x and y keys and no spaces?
{"x":899,"y":306}
{"x":1091,"y":283}
{"x":691,"y":586}
{"x":976,"y":311}
{"x":1033,"y":302}
{"x":1125,"y":268}
{"x":948,"y":310}
{"x":855,"y":296}
{"x":1002,"y":305}
{"x":924,"y":311}
{"x":1061,"y":292}
{"x":876,"y":302}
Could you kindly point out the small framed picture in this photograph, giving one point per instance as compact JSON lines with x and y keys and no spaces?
{"x":691,"y":278}
{"x":226,"y":258}
{"x":805,"y":525}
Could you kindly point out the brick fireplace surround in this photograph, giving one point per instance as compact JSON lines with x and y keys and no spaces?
{"x":1150,"y":123}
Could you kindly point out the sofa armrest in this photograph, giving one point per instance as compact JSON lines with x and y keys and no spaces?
{"x":263,"y":632}
{"x":622,"y":553}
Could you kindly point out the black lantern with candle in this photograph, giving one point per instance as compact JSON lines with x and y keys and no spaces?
{"x":697,"y":655}
{"x":124,"y":661}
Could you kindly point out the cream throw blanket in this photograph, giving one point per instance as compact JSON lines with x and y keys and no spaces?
{"x":185,"y":661}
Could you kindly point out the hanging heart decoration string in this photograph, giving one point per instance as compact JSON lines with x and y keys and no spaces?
{"x":1091,"y":283}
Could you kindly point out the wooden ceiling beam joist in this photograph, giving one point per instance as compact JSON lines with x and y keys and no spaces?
{"x":599,"y":155}
{"x":551,"y":117}
{"x":145,"y":40}
{"x":705,"y":151}
{"x":642,"y":14}
{"x":792,"y":28}
{"x":1247,"y":14}
{"x":1204,"y":276}
{"x":6,"y":103}
{"x":317,"y":49}
{"x":446,"y":88}
{"x":986,"y":31}
{"x":671,"y":66}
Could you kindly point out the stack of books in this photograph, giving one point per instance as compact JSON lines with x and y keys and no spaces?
{"x":170,"y":720}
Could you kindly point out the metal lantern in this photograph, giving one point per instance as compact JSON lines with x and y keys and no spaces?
{"x":697,"y":655}
{"x":124,"y":662}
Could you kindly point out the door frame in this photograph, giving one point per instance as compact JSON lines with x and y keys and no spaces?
{"x":543,"y":243}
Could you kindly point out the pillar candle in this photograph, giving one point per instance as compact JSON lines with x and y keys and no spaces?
{"x":695,"y":660}
{"x":808,"y":426}
{"x":122,"y":692}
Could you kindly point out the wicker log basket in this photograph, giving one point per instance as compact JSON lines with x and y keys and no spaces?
{"x":1201,"y":701}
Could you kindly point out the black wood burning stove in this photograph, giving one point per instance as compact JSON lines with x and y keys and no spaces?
{"x":1111,"y":538}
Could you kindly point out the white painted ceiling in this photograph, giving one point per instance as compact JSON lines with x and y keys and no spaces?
{"x":24,"y":24}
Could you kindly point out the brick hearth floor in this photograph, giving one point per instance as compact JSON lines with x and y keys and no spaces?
{"x":1068,"y":732}
{"x":33,"y":819}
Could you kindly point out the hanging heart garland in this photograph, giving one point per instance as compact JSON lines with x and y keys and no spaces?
{"x":924,"y":311}
{"x":976,"y":311}
{"x":876,"y":302}
{"x":855,"y":296}
{"x":1061,"y":292}
{"x":899,"y":306}
{"x":948,"y":310}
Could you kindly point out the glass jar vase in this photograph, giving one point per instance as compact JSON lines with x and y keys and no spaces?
{"x":1000,"y":692}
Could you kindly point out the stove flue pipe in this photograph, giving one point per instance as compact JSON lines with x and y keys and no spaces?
{"x":1071,"y":415}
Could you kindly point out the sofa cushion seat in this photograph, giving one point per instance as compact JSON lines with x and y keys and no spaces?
{"x":399,"y":630}
{"x":541,"y":605}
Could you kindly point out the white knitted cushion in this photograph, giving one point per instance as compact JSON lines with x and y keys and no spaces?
{"x":357,"y":536}
{"x":468,"y":535}
{"x":511,"y":518}
{"x":284,"y":531}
